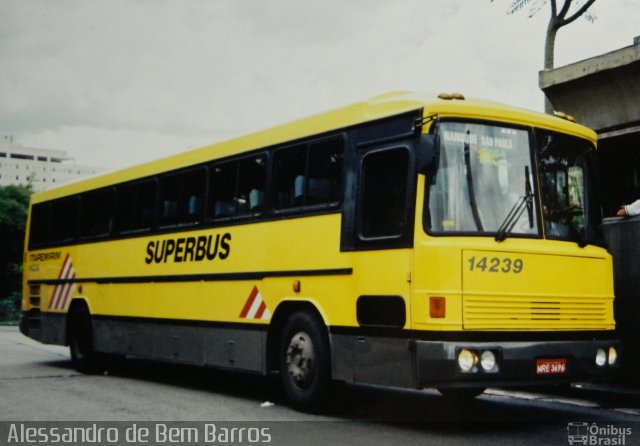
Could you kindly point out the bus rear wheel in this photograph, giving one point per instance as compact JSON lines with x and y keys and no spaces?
{"x":305,"y":367}
{"x":80,"y":335}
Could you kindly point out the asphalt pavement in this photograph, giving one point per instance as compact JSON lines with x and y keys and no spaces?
{"x":38,"y":384}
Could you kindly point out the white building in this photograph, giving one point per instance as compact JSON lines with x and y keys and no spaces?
{"x":42,"y":168}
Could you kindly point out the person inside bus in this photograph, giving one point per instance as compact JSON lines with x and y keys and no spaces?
{"x":629,"y":210}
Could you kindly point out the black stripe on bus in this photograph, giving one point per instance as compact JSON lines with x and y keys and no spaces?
{"x":215,"y":277}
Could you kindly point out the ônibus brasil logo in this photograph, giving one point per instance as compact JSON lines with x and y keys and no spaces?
{"x":592,"y":434}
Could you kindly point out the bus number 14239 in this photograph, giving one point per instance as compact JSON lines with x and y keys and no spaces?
{"x":496,"y":264}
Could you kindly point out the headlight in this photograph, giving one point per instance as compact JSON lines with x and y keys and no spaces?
{"x":467,"y":360}
{"x":601,"y":357}
{"x":613,"y":355}
{"x":488,"y":360}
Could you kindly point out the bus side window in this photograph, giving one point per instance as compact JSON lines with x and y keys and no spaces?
{"x":182,"y":197}
{"x":136,"y":206}
{"x":290,"y":169}
{"x":192,"y":197}
{"x":384,"y":192}
{"x":64,"y":219}
{"x":39,"y":230}
{"x":324,"y":182}
{"x":169,"y":199}
{"x":222,"y":190}
{"x":252,"y":179}
{"x":309,"y":175}
{"x":96,"y":213}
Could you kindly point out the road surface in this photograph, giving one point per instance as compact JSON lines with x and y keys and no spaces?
{"x":38,"y":384}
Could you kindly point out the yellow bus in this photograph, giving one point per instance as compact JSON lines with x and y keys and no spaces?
{"x":407,"y":241}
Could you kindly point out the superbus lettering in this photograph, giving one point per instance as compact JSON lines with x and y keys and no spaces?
{"x":189,"y":249}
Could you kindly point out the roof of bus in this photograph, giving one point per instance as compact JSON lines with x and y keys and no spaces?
{"x":376,"y":108}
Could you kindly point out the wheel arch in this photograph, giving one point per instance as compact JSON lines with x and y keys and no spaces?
{"x":278,"y":321}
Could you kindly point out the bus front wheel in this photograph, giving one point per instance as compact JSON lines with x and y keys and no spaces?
{"x":83,"y":357}
{"x":305,"y":366}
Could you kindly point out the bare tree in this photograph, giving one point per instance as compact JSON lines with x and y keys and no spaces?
{"x":568,"y":12}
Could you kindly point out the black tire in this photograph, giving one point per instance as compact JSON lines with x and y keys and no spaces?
{"x":80,"y":336}
{"x":304,"y":362}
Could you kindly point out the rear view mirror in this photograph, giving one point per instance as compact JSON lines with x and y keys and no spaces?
{"x":428,"y":154}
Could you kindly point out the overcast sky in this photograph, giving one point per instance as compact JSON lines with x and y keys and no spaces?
{"x":120,"y":82}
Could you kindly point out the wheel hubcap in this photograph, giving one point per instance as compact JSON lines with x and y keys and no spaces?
{"x":300,"y":358}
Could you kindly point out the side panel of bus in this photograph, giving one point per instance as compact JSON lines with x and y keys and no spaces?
{"x":218,"y":295}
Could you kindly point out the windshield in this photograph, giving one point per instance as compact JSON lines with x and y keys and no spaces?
{"x":566,"y":185}
{"x":486,"y":183}
{"x":484,"y":173}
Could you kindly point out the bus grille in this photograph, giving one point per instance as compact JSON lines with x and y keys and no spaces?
{"x":536,"y":313}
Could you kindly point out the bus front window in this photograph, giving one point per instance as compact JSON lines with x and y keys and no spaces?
{"x":484,"y":172}
{"x":566,"y":170}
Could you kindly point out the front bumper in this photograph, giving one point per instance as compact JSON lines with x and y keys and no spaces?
{"x":517,"y":363}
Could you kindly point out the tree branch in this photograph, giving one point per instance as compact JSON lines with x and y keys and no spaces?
{"x":565,"y":9}
{"x":578,"y":13}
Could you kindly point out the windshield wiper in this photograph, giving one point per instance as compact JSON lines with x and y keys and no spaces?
{"x":523,"y":202}
{"x":472,"y":193}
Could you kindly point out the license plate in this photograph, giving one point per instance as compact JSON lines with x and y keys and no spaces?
{"x":557,"y":366}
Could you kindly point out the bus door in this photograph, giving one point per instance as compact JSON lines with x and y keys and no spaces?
{"x":378,"y":228}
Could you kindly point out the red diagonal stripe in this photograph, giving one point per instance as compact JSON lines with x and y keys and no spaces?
{"x":249,"y":302}
{"x":64,"y":265}
{"x":58,"y":288}
{"x":56,"y":292}
{"x":260,"y":311}
{"x":67,"y":271}
{"x":66,"y":293}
